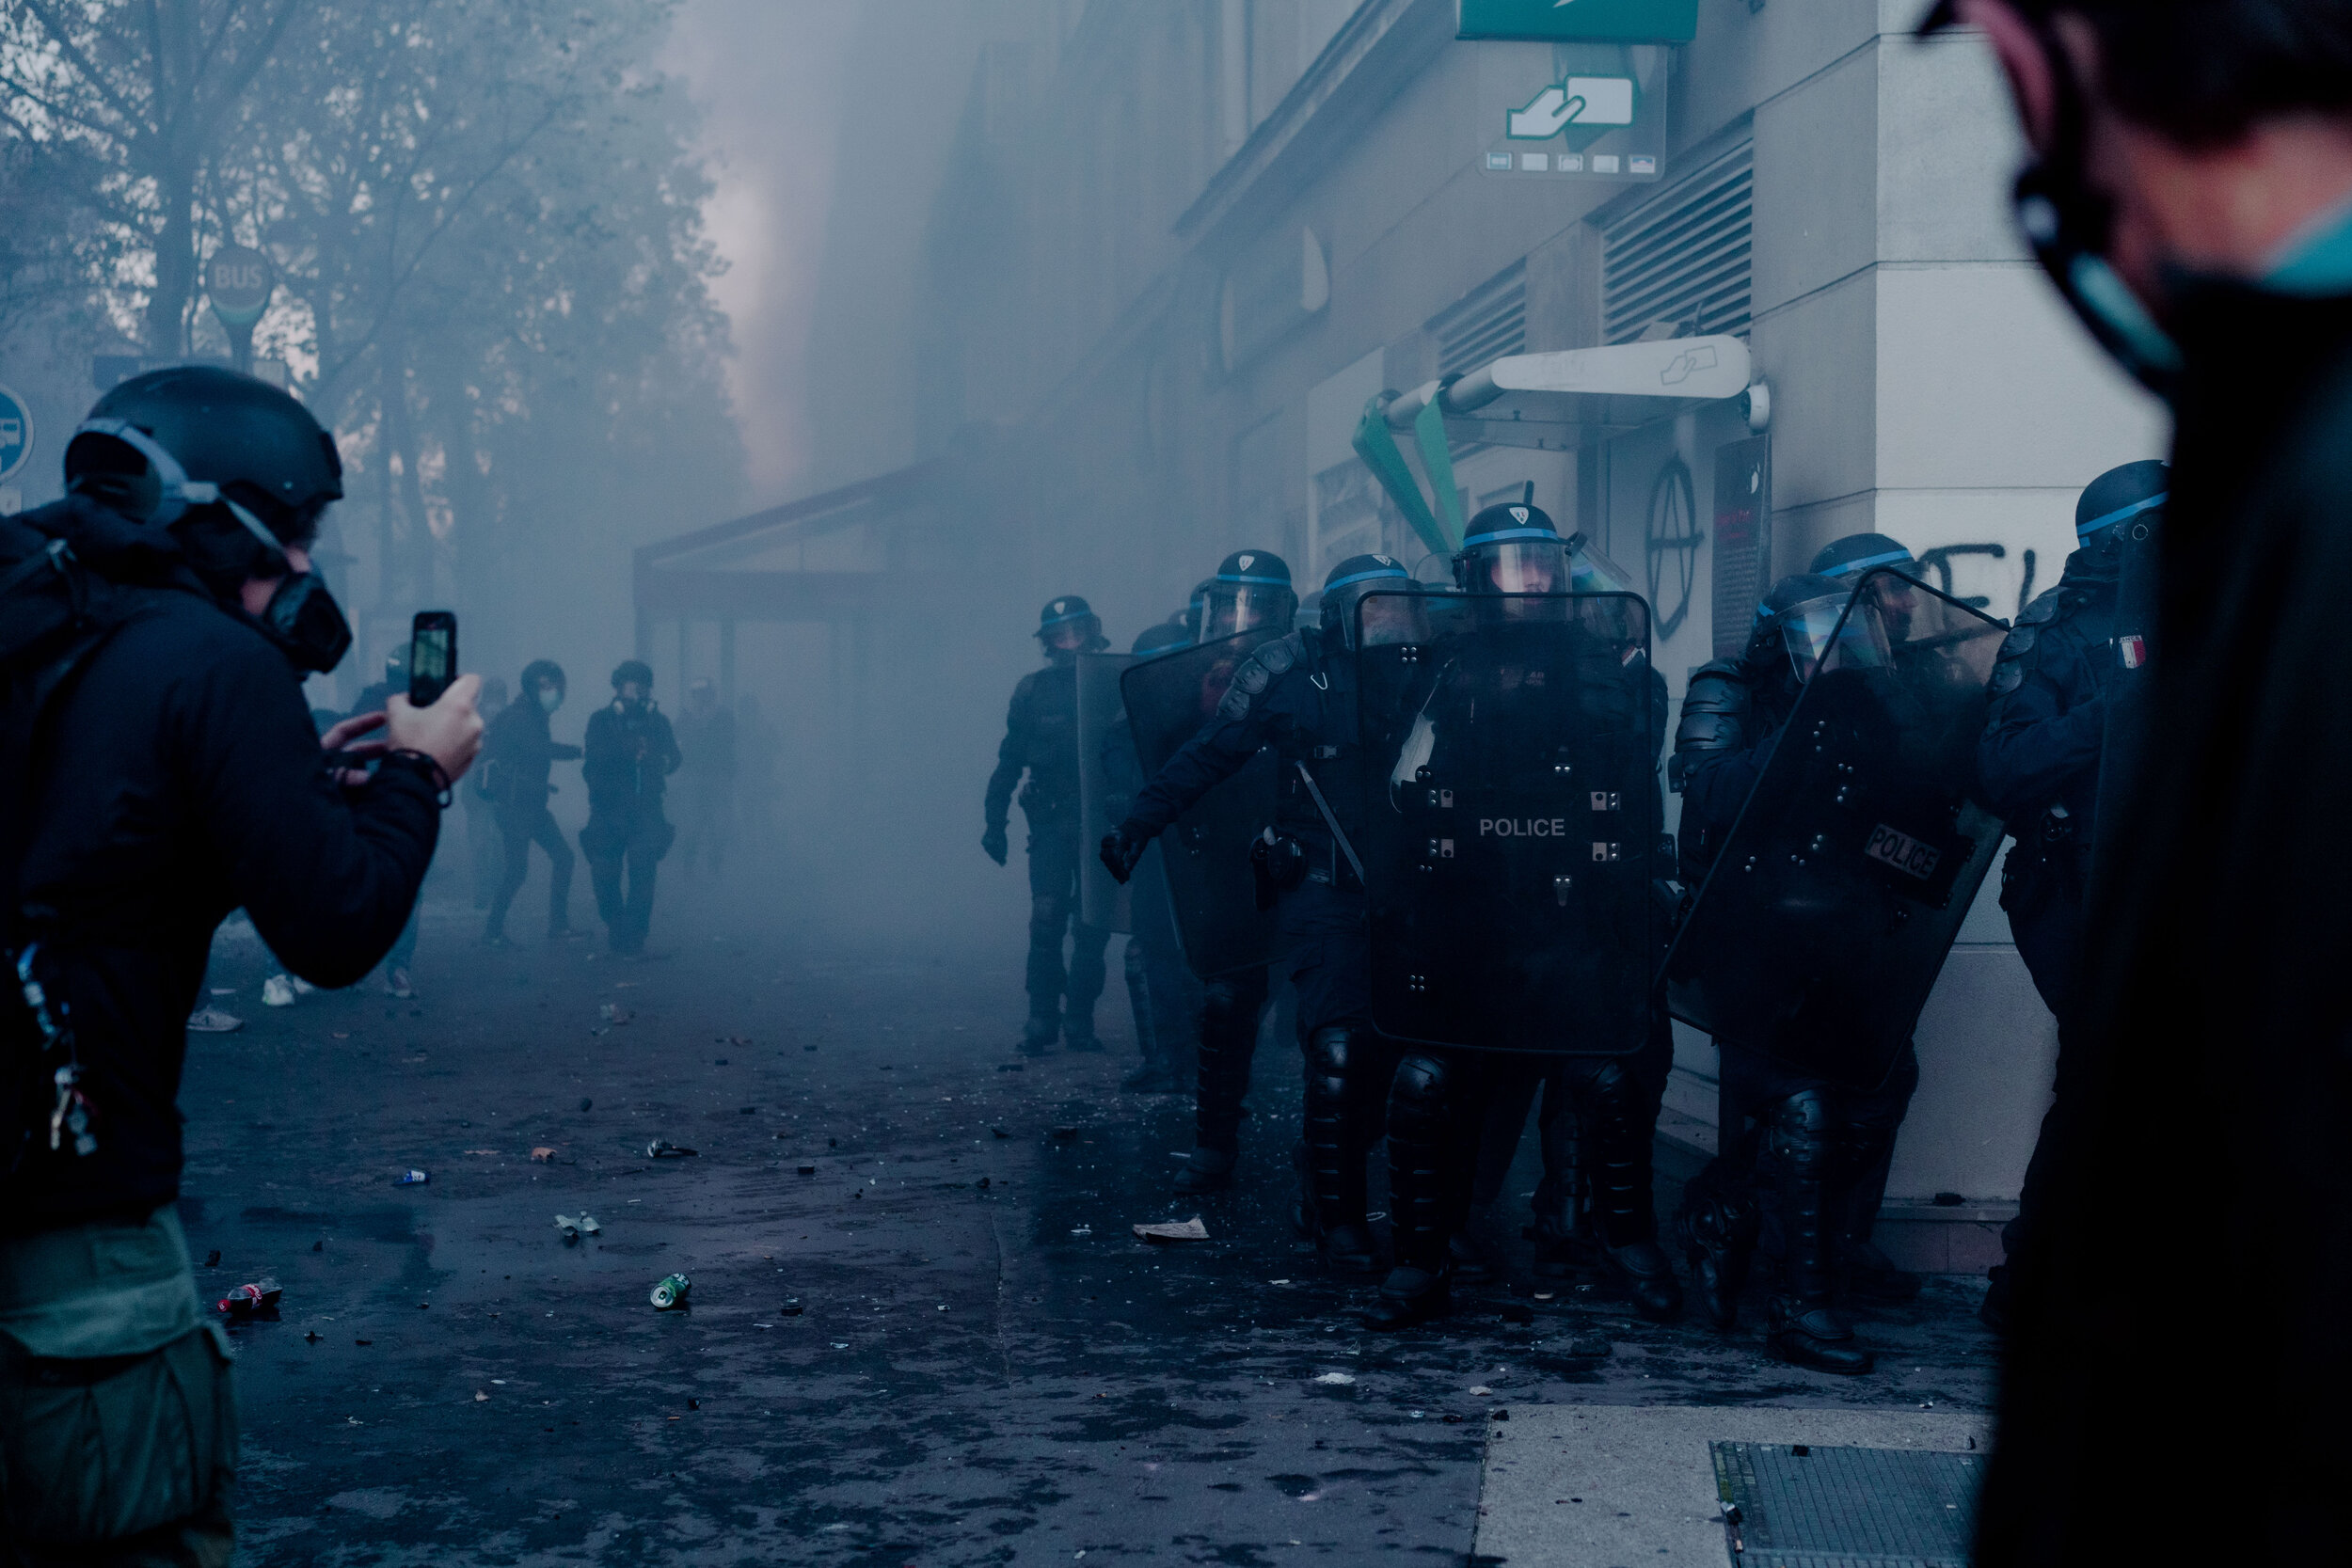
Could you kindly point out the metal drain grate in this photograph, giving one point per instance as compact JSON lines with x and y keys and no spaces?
{"x":1800,"y":1507}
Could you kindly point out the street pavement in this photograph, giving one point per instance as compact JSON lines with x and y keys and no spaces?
{"x":945,"y":1346}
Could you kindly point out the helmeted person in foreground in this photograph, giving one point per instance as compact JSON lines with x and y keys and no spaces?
{"x":2190,"y":193}
{"x":517,"y":755}
{"x":1814,"y":1142}
{"x":1163,"y":993}
{"x":1250,"y":591}
{"x":160,"y":768}
{"x":629,"y":754}
{"x":1298,"y":695}
{"x":1041,"y":738}
{"x":2076,"y":652}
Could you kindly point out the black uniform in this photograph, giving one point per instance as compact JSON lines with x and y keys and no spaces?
{"x":1162,"y":989}
{"x":1293,"y":695}
{"x":1042,"y":737}
{"x":517,"y":753}
{"x":1814,"y":1166}
{"x":629,"y":755}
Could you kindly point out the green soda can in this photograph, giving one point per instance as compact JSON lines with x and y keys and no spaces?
{"x":670,"y":1292}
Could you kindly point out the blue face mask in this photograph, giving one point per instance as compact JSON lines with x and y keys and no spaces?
{"x":551,"y":697}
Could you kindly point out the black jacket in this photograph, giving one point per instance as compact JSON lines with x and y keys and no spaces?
{"x":1732,"y":713}
{"x":2048,"y":720}
{"x":1041,"y":735}
{"x":1287,"y":695}
{"x":179,"y":777}
{"x":518,"y":752}
{"x":2189,"y":1286}
{"x":630,"y":755}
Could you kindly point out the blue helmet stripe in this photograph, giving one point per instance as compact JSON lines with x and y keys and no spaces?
{"x":1365,"y":577}
{"x":1074,"y":615}
{"x":1271,"y":582}
{"x":1884,"y":558}
{"x":1510,"y":533}
{"x":2083,"y":531}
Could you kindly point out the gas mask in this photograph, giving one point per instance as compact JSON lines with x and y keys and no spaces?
{"x":302,"y":616}
{"x":2070,"y":226}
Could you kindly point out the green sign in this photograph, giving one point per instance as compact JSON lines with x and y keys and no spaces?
{"x":1567,"y":20}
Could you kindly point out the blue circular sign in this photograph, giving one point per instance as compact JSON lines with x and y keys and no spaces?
{"x":16,"y":434}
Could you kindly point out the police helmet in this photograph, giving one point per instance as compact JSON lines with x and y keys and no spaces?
{"x":198,"y":434}
{"x":1165,"y":638}
{"x":547,"y":670}
{"x":1251,"y":588}
{"x":1512,"y":548}
{"x":1347,"y":584}
{"x":632,"y":670}
{"x":1806,"y":618}
{"x":1858,"y":553}
{"x":1071,"y":611}
{"x":2134,"y":494}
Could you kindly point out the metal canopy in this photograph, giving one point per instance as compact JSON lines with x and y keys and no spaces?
{"x":1555,"y":401}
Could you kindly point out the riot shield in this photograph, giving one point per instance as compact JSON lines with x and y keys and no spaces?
{"x":1824,"y":922}
{"x":1107,"y":781}
{"x":1511,"y":816}
{"x":1206,"y":851}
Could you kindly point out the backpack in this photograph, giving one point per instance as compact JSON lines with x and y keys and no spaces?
{"x":55,"y":610}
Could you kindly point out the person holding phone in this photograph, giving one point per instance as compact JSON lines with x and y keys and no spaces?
{"x":631,"y":757}
{"x":172,"y":775}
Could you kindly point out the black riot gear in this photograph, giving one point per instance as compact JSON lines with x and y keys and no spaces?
{"x":1512,"y":548}
{"x":1252,"y":590}
{"x":2118,"y":506}
{"x":1069,"y":625}
{"x":1858,"y":553}
{"x":239,"y":472}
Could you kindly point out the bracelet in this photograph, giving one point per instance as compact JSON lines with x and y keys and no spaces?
{"x":425,"y":764}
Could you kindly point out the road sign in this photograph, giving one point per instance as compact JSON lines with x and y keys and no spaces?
{"x":16,"y":432}
{"x":239,"y":280}
{"x":1603,"y":20}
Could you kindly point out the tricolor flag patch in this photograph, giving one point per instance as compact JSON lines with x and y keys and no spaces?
{"x":2134,"y":649}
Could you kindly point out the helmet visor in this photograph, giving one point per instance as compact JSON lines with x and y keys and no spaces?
{"x":1533,"y":565}
{"x":1591,"y":572}
{"x":1239,"y":606}
{"x":1385,"y":618}
{"x":1817,"y":639}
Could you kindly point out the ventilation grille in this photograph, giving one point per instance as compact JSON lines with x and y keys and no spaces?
{"x":1487,"y":324}
{"x":1682,"y":258}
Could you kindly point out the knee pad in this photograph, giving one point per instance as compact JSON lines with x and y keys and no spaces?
{"x":1800,"y":1131}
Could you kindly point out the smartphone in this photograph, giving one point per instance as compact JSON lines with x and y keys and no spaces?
{"x":432,"y":655}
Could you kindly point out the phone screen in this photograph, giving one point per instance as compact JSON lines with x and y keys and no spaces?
{"x":432,"y":657}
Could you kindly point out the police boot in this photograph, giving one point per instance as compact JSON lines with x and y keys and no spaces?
{"x":1473,"y":1257}
{"x":1207,"y":1170}
{"x":1624,"y":1119}
{"x":1562,"y":1248}
{"x":1645,"y":1273}
{"x":1040,"y":1033}
{"x":1409,"y":1295}
{"x":1717,"y":1224}
{"x":1803,"y":1329}
{"x":1865,"y":1272}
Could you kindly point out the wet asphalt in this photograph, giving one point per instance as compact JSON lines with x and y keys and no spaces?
{"x":943,"y":1346}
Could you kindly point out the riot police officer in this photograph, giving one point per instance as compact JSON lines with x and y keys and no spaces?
{"x":1815,"y":1140}
{"x":1166,"y":995}
{"x":1042,"y":737}
{"x":1251,"y":592}
{"x":630,"y":755}
{"x":2039,"y":761}
{"x":1296,"y":695}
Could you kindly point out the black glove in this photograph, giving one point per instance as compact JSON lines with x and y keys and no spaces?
{"x":1121,"y":847}
{"x":993,"y":841}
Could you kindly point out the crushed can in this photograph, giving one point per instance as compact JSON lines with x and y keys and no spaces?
{"x":413,"y":1179}
{"x":670,"y":1294}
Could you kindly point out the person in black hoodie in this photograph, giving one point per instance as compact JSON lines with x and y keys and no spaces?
{"x":518,"y":752}
{"x":629,"y":756}
{"x":2190,"y":194}
{"x":171,"y":777}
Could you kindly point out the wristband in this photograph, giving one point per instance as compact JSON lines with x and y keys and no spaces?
{"x":425,"y":765}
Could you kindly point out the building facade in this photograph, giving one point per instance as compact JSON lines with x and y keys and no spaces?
{"x":1178,"y":246}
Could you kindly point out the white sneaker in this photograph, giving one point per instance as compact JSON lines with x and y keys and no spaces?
{"x":279,"y":991}
{"x":212,"y":1021}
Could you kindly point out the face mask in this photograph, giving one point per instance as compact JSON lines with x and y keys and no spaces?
{"x":551,"y":697}
{"x":304,"y":620}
